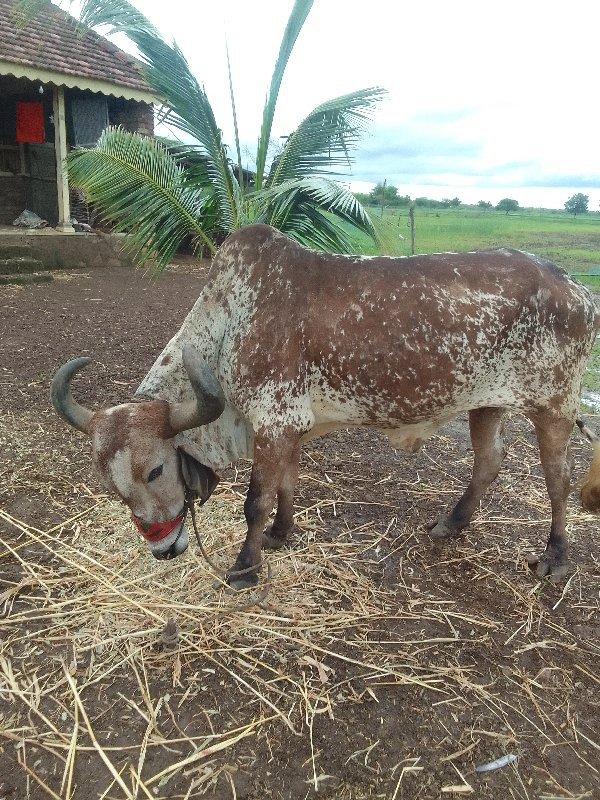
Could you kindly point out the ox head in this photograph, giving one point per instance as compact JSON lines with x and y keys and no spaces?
{"x":134,"y":454}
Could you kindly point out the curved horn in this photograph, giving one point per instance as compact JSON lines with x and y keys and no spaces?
{"x":209,"y":401}
{"x":60,"y":393}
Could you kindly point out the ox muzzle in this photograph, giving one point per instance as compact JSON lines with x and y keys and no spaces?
{"x":170,"y":539}
{"x":166,"y":539}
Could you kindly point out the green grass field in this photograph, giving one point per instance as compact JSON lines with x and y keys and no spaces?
{"x":571,"y":242}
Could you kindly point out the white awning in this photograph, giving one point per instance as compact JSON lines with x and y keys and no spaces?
{"x":75,"y":82}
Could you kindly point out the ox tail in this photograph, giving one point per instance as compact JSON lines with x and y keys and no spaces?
{"x":589,"y":485}
{"x":587,"y":432}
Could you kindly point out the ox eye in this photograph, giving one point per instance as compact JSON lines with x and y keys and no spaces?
{"x":155,"y":473}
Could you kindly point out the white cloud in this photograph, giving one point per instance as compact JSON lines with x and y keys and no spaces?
{"x":487,"y":94}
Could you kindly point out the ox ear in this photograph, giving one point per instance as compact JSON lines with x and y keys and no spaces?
{"x":198,"y":478}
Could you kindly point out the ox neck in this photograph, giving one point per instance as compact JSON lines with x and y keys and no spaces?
{"x":230,"y":437}
{"x":216,"y":445}
{"x":220,"y":443}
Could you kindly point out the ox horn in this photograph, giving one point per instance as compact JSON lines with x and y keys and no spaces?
{"x":209,"y":401}
{"x":60,"y":393}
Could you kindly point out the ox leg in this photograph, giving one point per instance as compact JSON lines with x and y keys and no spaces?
{"x":553,"y":440}
{"x":271,"y":459}
{"x":486,"y":426}
{"x":284,"y":518}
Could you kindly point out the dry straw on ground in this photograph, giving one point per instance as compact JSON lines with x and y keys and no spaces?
{"x":84,"y":604}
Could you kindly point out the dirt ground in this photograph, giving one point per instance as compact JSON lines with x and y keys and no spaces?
{"x":382,"y":664}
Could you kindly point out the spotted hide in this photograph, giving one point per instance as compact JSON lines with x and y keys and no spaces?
{"x":285,"y":344}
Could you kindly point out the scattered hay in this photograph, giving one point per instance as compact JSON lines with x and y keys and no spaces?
{"x":86,"y":607}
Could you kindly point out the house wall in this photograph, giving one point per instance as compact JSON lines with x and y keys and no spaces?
{"x":131,"y":115}
{"x":36,"y":190}
{"x":31,"y":182}
{"x":13,"y":197}
{"x":42,"y":193}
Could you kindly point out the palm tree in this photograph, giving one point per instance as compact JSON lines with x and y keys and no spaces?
{"x":163,"y":192}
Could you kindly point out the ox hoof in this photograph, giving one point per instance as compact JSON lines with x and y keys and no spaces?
{"x":438,"y":529}
{"x":247,"y":580}
{"x":271,"y":542}
{"x":549,"y":565}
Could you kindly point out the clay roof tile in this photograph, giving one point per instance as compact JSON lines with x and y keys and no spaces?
{"x":53,"y":41}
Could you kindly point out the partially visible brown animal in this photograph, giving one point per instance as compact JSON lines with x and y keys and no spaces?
{"x":285,"y":344}
{"x":589,"y":486}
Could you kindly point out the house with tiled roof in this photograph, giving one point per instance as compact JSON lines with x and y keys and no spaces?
{"x":60,"y":86}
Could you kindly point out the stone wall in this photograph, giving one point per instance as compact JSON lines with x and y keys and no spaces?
{"x":71,"y":251}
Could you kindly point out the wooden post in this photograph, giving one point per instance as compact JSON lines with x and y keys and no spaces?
{"x":383,"y":196}
{"x":411,"y":214}
{"x":60,"y":146}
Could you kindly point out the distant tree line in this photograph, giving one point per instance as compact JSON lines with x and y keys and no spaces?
{"x":383,"y":193}
{"x":386,"y":195}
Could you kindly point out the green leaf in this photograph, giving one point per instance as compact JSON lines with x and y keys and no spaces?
{"x":141,"y":189}
{"x":187,"y":107}
{"x":313,"y":210}
{"x":25,"y":10}
{"x":326,"y":137}
{"x":235,"y":122}
{"x":118,"y":15}
{"x":294,"y":25}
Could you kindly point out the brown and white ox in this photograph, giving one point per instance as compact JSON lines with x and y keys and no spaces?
{"x":285,"y":344}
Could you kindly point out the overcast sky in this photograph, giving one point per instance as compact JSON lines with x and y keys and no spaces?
{"x":485,"y":100}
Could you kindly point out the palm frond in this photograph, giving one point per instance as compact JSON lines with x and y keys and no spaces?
{"x":196,"y":174}
{"x":191,"y":158}
{"x":294,"y":25}
{"x":235,"y":121}
{"x":313,"y":210}
{"x":141,"y":189}
{"x":326,"y":137}
{"x":187,"y":106}
{"x":117,"y":15}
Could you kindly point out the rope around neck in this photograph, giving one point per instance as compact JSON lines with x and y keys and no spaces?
{"x":222,"y":574}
